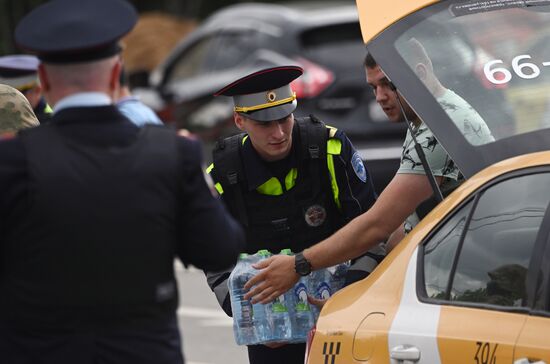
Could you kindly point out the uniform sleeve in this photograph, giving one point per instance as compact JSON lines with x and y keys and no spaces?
{"x":209,"y":237}
{"x":356,"y":196}
{"x":355,"y":187}
{"x":217,"y":281}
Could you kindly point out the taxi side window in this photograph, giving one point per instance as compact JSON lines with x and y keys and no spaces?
{"x":491,"y":257}
{"x":440,"y":251}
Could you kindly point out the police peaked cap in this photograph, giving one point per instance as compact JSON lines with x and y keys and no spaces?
{"x":264,"y":95}
{"x":70,"y":31}
{"x":19,"y":71}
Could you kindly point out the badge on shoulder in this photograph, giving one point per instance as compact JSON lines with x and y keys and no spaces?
{"x":358,"y":167}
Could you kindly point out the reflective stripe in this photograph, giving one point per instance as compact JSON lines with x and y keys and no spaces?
{"x":333,"y":182}
{"x":290,"y":179}
{"x":334,"y":147}
{"x":48,"y":109}
{"x":218,"y":186}
{"x":271,"y":187}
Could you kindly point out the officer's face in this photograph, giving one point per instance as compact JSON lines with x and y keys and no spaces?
{"x":386,"y":97}
{"x":272,"y":140}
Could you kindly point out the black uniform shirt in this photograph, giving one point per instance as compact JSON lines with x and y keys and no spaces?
{"x":355,"y":196}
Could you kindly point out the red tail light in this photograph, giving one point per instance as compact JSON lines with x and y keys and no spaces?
{"x":314,"y":80}
{"x":309,"y":341}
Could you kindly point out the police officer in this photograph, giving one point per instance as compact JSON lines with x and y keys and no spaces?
{"x":290,"y":182}
{"x":94,"y":210}
{"x":21,"y":72}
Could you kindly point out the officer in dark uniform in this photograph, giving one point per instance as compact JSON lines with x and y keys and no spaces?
{"x":290,"y":182}
{"x":20,"y":71}
{"x":94,"y":210}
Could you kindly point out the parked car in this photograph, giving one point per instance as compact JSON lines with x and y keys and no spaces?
{"x":324,"y":38}
{"x":471,"y":282}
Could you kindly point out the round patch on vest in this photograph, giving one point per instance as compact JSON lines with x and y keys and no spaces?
{"x":359,"y":167}
{"x":315,"y":215}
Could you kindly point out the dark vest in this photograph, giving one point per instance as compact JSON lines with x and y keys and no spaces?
{"x":301,"y":216}
{"x":99,"y":231}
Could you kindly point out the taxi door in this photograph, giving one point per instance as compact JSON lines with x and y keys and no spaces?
{"x":478,"y":336}
{"x":479,"y":268}
{"x":533,"y":345}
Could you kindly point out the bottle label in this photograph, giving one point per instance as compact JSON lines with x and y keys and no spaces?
{"x":278,"y":304}
{"x":323,"y":291}
{"x":246,"y":313}
{"x":300,"y":295}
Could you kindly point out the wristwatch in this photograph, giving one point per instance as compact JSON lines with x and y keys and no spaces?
{"x":301,"y":265}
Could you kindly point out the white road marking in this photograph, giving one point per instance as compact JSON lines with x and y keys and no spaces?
{"x":370,"y":154}
{"x":208,"y":317}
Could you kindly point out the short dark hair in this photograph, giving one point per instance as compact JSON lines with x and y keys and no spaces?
{"x":370,"y":62}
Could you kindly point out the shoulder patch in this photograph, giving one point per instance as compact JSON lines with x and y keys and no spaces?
{"x":359,"y":167}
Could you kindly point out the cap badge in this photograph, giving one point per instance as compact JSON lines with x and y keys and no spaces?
{"x":271,"y":96}
{"x":315,"y":215}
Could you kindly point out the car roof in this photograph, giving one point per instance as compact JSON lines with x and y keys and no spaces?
{"x":377,"y":15}
{"x":302,"y":15}
{"x":382,"y":21}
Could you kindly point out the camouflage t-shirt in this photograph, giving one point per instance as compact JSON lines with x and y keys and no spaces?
{"x":469,"y":122}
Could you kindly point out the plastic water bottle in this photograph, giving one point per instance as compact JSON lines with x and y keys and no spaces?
{"x":279,"y":316}
{"x":301,"y":314}
{"x":243,"y":314}
{"x":261,"y":321}
{"x":319,"y":287}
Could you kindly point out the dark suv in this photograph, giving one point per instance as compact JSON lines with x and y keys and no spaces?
{"x":325,"y":39}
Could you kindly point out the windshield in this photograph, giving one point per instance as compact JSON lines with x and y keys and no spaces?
{"x":486,"y":64}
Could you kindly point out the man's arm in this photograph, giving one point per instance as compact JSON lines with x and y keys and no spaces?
{"x":209,"y":236}
{"x":396,"y":202}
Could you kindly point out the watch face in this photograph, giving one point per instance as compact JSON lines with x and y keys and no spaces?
{"x":302,"y":266}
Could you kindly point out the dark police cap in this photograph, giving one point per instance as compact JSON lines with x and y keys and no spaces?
{"x":264,"y":95}
{"x":19,"y":71}
{"x":70,"y":31}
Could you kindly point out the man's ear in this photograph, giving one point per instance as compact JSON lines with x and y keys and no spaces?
{"x":421,"y":71}
{"x":43,"y":77}
{"x":114,"y":81}
{"x":239,"y":120}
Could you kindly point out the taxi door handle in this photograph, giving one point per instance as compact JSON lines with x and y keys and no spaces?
{"x":405,"y":354}
{"x":527,"y":361}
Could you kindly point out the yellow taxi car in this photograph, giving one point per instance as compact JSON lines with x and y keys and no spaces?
{"x":471,"y":282}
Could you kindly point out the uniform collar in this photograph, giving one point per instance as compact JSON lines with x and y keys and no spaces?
{"x":82,"y":99}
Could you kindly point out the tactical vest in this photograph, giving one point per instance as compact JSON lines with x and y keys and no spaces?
{"x":302,"y":215}
{"x":98,"y":232}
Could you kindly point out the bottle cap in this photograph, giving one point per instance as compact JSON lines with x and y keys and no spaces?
{"x":264,"y":253}
{"x":286,"y":252}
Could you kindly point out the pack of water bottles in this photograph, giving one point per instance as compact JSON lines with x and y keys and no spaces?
{"x":290,"y":316}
